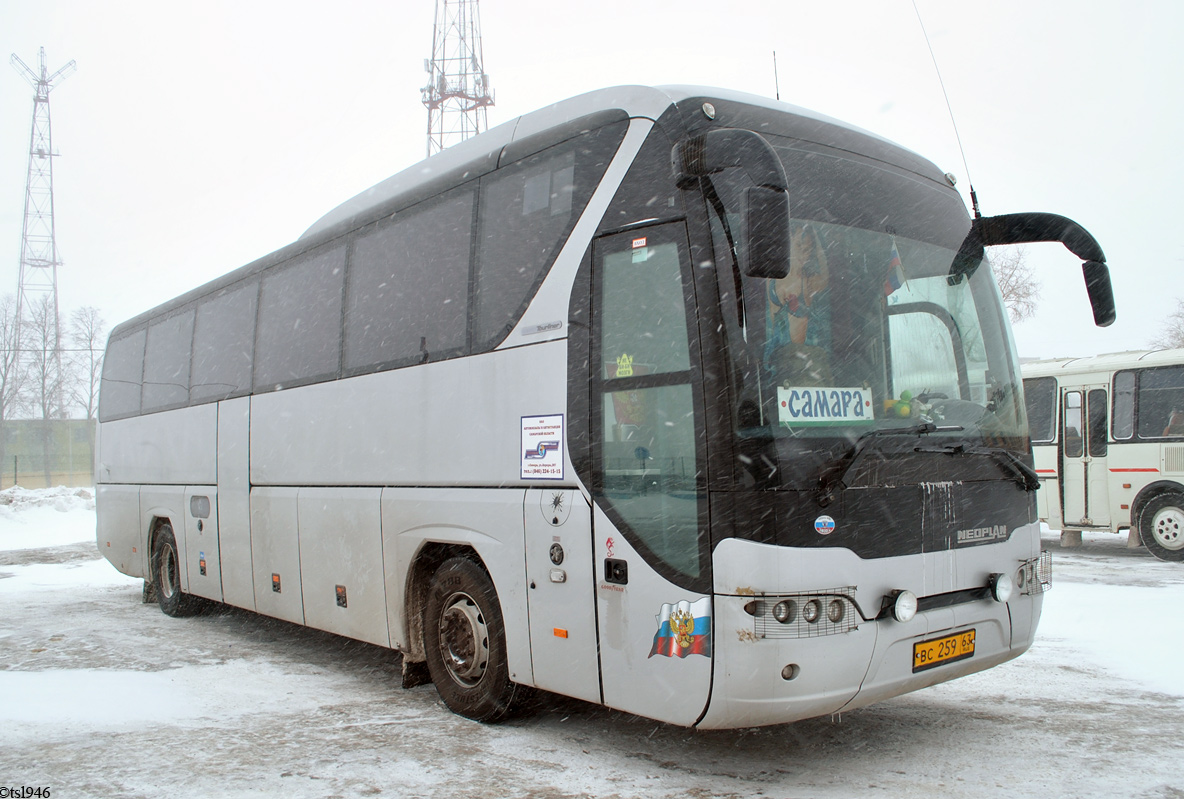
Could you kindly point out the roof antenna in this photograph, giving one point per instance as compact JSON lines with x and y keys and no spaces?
{"x":776,"y":80}
{"x":969,"y":180}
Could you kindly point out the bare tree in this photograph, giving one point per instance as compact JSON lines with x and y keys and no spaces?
{"x":1017,"y":282}
{"x":86,"y":331}
{"x":10,"y":369}
{"x":45,"y":375}
{"x":1172,"y":334}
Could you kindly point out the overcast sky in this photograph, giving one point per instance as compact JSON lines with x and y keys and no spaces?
{"x":198,"y":136}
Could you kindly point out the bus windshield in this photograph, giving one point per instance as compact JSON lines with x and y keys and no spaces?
{"x":868,"y":331}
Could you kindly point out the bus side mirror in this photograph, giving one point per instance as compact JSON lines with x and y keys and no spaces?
{"x":1101,"y":292}
{"x":764,"y":249}
{"x":766,"y":233}
{"x":1036,"y":227}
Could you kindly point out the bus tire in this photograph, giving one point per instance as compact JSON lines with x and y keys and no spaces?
{"x":1161,"y":525}
{"x":166,"y":573}
{"x":465,"y":643}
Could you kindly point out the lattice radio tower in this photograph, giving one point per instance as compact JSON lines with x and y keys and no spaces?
{"x":39,"y":251}
{"x":458,"y":91}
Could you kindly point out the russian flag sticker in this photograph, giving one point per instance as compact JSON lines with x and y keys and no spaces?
{"x":824,"y":525}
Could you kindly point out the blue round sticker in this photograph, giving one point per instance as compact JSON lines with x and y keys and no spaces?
{"x":824,"y":525}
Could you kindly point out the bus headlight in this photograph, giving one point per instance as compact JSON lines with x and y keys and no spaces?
{"x":904,"y":606}
{"x":1001,"y":587}
{"x":785,"y":611}
{"x":834,"y":611}
{"x":811,"y":611}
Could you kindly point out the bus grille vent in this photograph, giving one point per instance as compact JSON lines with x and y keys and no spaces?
{"x":834,"y":613}
{"x":1173,"y":459}
{"x":1036,"y":574}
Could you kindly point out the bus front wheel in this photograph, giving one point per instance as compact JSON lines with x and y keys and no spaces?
{"x":166,"y":571}
{"x":465,"y":643}
{"x":1162,"y":526}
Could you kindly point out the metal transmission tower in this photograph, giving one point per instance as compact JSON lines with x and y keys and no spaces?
{"x":39,"y":253}
{"x":458,"y":91}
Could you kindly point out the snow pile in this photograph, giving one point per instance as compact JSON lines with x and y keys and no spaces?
{"x":47,"y":517}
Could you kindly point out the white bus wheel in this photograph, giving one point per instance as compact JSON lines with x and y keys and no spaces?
{"x":465,"y":643}
{"x":1162,"y":526}
{"x":166,"y":570}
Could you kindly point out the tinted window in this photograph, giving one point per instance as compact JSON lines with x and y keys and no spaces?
{"x":1040,"y":397}
{"x":123,"y":370}
{"x":299,"y":337}
{"x":1073,"y":439}
{"x":1161,"y":402}
{"x":1122,"y":426}
{"x":409,"y":286}
{"x":528,"y":209}
{"x":1097,"y":422}
{"x":224,"y":344}
{"x":166,"y":362}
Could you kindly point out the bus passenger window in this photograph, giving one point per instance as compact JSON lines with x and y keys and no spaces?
{"x":1122,"y":425}
{"x":1040,"y":399}
{"x":1161,"y":395}
{"x":1073,"y":442}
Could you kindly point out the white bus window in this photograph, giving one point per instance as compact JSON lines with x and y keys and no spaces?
{"x":1161,"y":403}
{"x":123,"y":372}
{"x":1073,"y":438}
{"x":409,"y":287}
{"x":224,"y":344}
{"x":166,"y":362}
{"x":1122,"y":426}
{"x":1097,"y":423}
{"x":299,"y":338}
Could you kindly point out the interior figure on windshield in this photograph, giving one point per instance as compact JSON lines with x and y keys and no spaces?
{"x":797,"y":335}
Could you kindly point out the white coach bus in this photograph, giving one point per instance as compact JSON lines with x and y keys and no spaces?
{"x":1108,"y":442}
{"x":681,"y":401}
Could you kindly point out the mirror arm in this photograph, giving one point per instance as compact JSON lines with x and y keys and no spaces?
{"x":1031,"y":228}
{"x":717,"y":150}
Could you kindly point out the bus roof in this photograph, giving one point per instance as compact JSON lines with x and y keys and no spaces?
{"x":551,"y":124}
{"x":1108,"y":362}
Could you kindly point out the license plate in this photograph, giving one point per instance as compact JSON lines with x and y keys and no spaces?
{"x":947,"y":649}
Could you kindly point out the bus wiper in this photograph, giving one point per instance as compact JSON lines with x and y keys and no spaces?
{"x":1025,"y":476}
{"x":837,"y":479}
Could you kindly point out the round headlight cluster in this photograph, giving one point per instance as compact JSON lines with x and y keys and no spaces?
{"x":785,"y":611}
{"x":904,"y":606}
{"x":1001,"y":587}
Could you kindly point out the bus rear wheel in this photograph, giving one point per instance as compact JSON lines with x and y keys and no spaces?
{"x":166,"y":573}
{"x":1161,"y":525}
{"x":465,"y":643}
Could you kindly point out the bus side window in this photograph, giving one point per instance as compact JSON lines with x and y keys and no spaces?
{"x":1161,"y":396}
{"x":298,"y":339}
{"x":224,"y":344}
{"x":1040,"y":399}
{"x":123,"y":373}
{"x":1073,"y":442}
{"x":1097,"y":423}
{"x":1122,"y":424}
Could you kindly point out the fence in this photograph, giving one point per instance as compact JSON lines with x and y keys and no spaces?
{"x":40,"y":454}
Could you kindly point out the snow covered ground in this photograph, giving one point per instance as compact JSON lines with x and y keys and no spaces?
{"x":101,"y":695}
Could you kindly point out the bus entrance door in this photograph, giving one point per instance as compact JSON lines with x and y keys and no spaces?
{"x":559,"y":573}
{"x":1084,"y":446}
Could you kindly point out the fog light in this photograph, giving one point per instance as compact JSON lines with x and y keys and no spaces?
{"x":904,"y":605}
{"x":785,"y":611}
{"x":834,"y":611}
{"x":811,"y":610}
{"x":1001,"y":586}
